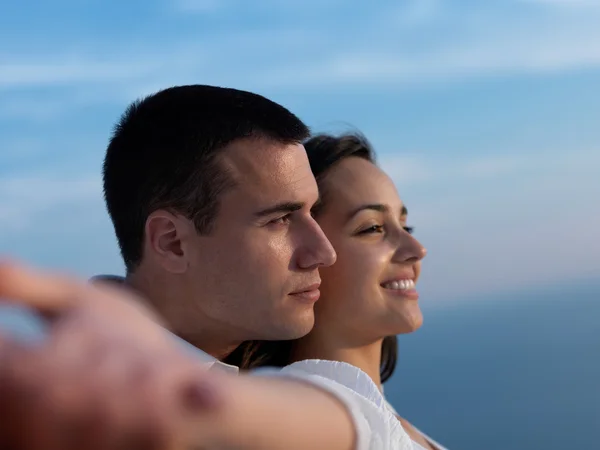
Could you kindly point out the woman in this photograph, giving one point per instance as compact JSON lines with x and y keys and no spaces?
{"x":368,"y":296}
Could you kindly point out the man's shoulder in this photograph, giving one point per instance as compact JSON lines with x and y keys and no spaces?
{"x":116,"y":279}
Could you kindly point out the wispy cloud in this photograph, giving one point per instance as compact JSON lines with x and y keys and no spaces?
{"x":415,"y":171}
{"x":492,"y":167}
{"x":478,"y":43}
{"x":518,"y":53}
{"x":26,"y":198}
{"x":397,"y":46}
{"x":73,"y":70}
{"x":34,"y":108}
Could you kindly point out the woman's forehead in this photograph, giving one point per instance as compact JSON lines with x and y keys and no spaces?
{"x":356,"y":181}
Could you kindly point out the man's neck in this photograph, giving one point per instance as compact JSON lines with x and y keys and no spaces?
{"x":366,"y":357}
{"x":182,"y":318}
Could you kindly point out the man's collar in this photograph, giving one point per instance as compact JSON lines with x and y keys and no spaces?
{"x":206,"y":358}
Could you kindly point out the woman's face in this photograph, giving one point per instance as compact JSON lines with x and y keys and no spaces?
{"x":369,"y":293}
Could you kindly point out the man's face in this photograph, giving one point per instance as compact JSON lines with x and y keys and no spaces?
{"x":256,"y":274}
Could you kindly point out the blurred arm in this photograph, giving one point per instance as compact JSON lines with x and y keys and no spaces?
{"x":254,"y":412}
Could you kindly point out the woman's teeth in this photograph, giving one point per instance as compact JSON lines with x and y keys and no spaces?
{"x":400,"y":285}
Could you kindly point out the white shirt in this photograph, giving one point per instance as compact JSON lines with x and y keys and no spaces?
{"x":385,"y":428}
{"x":377,"y":428}
{"x":357,"y":391}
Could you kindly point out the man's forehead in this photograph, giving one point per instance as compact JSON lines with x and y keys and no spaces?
{"x":259,"y":164}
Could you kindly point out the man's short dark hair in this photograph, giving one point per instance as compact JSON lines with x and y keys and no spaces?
{"x":163,"y":155}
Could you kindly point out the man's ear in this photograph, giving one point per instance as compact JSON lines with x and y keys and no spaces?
{"x":165,"y":236}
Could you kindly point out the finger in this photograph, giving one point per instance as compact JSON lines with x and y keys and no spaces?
{"x":68,"y":398}
{"x":24,"y":418}
{"x":129,"y":412}
{"x":85,"y":392}
{"x":173,"y":398}
{"x":44,"y":292}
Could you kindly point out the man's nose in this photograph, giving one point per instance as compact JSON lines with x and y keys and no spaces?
{"x":317,"y":250}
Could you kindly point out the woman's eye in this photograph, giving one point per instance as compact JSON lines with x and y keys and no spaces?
{"x":409,"y":230}
{"x":372,"y":229}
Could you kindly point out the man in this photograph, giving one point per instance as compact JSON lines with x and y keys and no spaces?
{"x":210,"y":192}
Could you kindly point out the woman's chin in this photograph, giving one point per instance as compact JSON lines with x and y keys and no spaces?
{"x":410,"y":322}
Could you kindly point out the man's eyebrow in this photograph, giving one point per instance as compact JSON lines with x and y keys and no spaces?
{"x":404,"y":211}
{"x":286,"y":207}
{"x":373,"y":207}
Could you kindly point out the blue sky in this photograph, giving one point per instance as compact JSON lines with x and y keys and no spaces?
{"x":485,"y":113}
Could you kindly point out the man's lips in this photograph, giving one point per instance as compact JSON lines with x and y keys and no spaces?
{"x":309,"y":294}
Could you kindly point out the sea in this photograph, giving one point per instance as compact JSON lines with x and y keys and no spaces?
{"x":519,"y":370}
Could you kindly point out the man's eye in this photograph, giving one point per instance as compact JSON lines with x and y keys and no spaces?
{"x":409,"y":230}
{"x":281,"y":220}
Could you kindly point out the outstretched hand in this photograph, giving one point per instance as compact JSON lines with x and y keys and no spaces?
{"x":108,"y":376}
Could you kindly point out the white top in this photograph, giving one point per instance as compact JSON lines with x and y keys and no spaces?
{"x":434,"y":444}
{"x":377,"y":427}
{"x":347,"y":376}
{"x":375,"y":419}
{"x":361,"y":384}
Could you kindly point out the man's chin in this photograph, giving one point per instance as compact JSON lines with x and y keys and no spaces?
{"x":293,"y":329}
